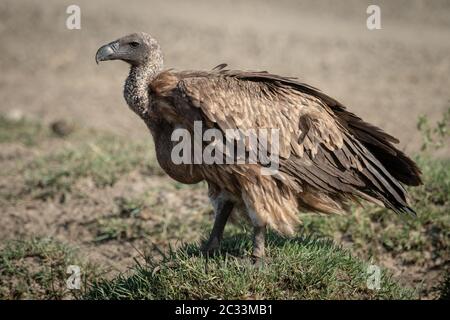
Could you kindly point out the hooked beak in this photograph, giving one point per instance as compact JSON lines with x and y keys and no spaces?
{"x":107,"y":52}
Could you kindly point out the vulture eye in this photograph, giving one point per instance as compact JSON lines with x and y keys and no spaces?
{"x":134,"y":44}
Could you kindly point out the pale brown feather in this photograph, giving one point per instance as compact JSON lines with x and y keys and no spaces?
{"x":325,"y":152}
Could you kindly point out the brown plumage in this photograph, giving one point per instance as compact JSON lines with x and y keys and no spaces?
{"x":329,"y":157}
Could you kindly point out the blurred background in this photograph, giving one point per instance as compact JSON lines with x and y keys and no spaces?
{"x":387,"y":76}
{"x":77,"y":167}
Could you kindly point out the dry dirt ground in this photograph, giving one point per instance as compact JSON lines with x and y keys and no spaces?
{"x":388,"y":76}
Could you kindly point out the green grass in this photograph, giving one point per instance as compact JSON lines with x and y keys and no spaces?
{"x":300,"y":268}
{"x":116,"y":228}
{"x":310,"y":266}
{"x":26,"y":132}
{"x":104,"y":160}
{"x":373,"y":230}
{"x":146,"y":216}
{"x":101,"y":157}
{"x":124,"y":224}
{"x":36,"y":268}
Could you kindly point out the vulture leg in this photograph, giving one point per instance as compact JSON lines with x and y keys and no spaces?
{"x":223,"y":210}
{"x":259,"y":238}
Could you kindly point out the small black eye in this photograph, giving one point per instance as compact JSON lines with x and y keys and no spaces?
{"x":134,"y":44}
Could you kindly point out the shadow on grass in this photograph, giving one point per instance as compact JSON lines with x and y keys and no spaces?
{"x":239,"y":245}
{"x":302,"y":267}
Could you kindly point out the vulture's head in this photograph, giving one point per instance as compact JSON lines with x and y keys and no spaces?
{"x":136,"y":49}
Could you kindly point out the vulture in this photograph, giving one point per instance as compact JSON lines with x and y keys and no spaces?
{"x":327,"y":157}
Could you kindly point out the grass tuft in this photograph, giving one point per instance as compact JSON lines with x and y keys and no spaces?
{"x":24,"y":131}
{"x":300,"y":268}
{"x":37,"y":268}
{"x":104,"y":161}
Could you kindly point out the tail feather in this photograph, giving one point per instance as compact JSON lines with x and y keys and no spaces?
{"x":380,"y":144}
{"x":392,"y":194}
{"x":399,"y":165}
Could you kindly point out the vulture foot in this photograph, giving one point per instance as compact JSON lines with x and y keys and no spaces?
{"x":211,"y":246}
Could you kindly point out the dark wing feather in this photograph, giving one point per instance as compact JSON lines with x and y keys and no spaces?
{"x":322,"y":146}
{"x":378,"y":142}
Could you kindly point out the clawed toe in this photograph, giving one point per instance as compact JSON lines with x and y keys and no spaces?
{"x":258,"y":262}
{"x":210,"y":247}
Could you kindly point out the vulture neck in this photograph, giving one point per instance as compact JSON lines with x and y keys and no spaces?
{"x":136,"y":90}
